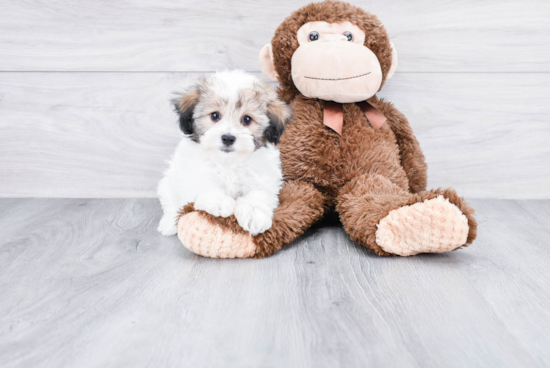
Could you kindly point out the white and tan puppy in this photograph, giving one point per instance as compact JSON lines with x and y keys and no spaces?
{"x":227,"y":162}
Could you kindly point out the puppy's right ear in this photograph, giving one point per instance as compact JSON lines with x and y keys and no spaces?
{"x":185,"y":106}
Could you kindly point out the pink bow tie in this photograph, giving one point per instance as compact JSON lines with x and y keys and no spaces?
{"x":333,"y":115}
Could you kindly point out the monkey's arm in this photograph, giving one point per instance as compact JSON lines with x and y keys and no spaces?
{"x":412,"y":157}
{"x":301,"y":205}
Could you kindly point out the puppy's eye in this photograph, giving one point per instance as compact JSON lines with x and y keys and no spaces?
{"x":349,"y":36}
{"x":215,"y":116}
{"x":246,"y":120}
{"x":314,"y":36}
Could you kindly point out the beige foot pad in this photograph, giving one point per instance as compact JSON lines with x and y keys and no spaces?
{"x":432,"y":226}
{"x":202,"y":238}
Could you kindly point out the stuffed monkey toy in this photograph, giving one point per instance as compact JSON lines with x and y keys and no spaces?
{"x":344,"y":150}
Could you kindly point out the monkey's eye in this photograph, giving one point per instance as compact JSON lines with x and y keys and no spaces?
{"x":314,"y":36}
{"x":349,"y":36}
{"x":215,"y":116}
{"x":246,"y":120}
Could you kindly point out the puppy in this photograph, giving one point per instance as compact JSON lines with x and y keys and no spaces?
{"x":227,"y":162}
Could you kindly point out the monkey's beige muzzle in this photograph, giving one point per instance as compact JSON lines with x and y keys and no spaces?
{"x":336,"y":71}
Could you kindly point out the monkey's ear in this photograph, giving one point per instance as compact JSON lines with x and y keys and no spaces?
{"x":267,"y":64}
{"x":279,"y":114}
{"x":393,"y":62}
{"x":185,"y":106}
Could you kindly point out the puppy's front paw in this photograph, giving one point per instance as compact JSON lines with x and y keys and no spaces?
{"x":167,"y":226}
{"x":254,"y":219}
{"x":220,"y":206}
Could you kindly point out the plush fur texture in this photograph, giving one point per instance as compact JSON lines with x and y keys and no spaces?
{"x":300,"y":206}
{"x":368,"y":199}
{"x":364,"y":174}
{"x":227,"y":162}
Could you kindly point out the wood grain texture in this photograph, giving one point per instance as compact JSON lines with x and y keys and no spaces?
{"x":89,"y":283}
{"x":109,"y":135}
{"x":171,"y":35}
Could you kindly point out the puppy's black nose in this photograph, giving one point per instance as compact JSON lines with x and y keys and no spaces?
{"x":228,"y":139}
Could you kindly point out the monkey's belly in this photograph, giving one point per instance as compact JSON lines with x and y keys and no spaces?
{"x":376,"y":152}
{"x":330,"y":161}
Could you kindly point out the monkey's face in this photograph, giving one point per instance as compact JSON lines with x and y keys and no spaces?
{"x":332,"y":63}
{"x":328,"y":57}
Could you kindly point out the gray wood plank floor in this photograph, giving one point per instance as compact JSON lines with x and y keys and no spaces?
{"x":89,"y":283}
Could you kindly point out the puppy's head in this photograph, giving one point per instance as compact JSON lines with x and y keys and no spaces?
{"x":231,"y":114}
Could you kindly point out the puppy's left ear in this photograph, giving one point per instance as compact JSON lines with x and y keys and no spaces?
{"x":279,"y":114}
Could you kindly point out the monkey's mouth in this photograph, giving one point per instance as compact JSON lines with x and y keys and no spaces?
{"x":337,"y":79}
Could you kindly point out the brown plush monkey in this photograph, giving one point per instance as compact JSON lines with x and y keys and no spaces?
{"x":345,"y":149}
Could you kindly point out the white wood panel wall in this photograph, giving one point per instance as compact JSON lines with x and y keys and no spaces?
{"x":85,"y":88}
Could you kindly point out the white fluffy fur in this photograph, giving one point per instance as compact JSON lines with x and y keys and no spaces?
{"x":244,"y":182}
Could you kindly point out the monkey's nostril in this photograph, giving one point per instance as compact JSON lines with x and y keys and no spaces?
{"x":228,"y":139}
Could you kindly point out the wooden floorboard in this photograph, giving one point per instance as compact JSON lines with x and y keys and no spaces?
{"x":89,"y":282}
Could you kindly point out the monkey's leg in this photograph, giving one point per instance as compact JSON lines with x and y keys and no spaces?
{"x":301,"y":205}
{"x":389,"y":220}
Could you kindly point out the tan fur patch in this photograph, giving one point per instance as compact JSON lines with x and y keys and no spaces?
{"x":188,"y":100}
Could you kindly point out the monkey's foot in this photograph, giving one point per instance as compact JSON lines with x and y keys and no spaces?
{"x":206,"y":239}
{"x":433,"y":226}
